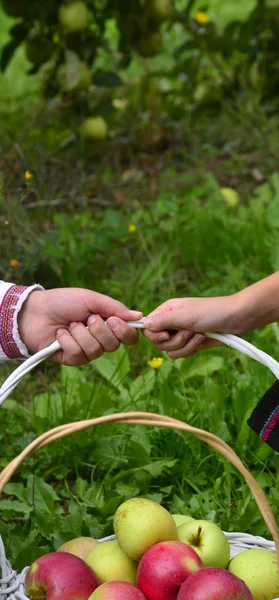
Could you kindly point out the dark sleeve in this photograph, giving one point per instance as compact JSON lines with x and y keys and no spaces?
{"x":265,"y":417}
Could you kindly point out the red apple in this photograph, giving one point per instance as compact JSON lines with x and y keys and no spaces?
{"x":79,"y":546}
{"x":212,"y":583}
{"x":117,"y":590}
{"x":164,"y":567}
{"x":60,"y":576}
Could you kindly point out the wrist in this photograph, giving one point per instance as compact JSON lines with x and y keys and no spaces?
{"x":27,"y":318}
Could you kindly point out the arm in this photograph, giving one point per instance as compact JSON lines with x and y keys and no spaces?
{"x":38,"y":318}
{"x":248,"y":309}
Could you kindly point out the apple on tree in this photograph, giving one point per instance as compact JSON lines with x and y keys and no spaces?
{"x":208,"y":540}
{"x":139,"y":523}
{"x":212,"y":583}
{"x":60,"y":576}
{"x":164,"y":567}
{"x":117,"y":590}
{"x":259,"y":569}
{"x":80,"y":546}
{"x":74,"y":16}
{"x":110,"y":563}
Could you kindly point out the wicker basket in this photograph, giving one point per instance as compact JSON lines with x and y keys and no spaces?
{"x":12,"y":584}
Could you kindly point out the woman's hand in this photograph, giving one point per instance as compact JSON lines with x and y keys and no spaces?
{"x":191,"y":317}
{"x":63,"y":314}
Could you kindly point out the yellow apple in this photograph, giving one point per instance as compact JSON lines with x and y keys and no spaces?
{"x":180,"y":519}
{"x":258,"y":568}
{"x":79,"y":546}
{"x":94,"y":129}
{"x":110,"y":563}
{"x":208,"y":540}
{"x":74,"y":16}
{"x":139,"y":523}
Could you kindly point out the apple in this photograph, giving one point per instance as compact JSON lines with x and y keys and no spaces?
{"x":74,"y":16}
{"x":60,"y":576}
{"x":79,"y":546}
{"x":149,"y":44}
{"x":78,"y":81}
{"x":259,"y":569}
{"x":230,"y":196}
{"x":117,"y":590}
{"x":164,"y":567}
{"x":94,"y":129}
{"x":208,"y":540}
{"x":180,"y":519}
{"x":212,"y":583}
{"x":140,"y":523}
{"x":110,"y":563}
{"x":159,"y":10}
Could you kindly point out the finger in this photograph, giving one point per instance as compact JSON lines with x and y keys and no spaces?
{"x":170,"y":319}
{"x":106,"y":306}
{"x":125,"y":333}
{"x":177,"y":341}
{"x":71,"y":353}
{"x":193,"y":346}
{"x":157,"y":337}
{"x":92,"y":345}
{"x":99,"y":331}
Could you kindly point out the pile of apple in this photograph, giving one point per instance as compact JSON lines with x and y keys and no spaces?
{"x":155,"y":556}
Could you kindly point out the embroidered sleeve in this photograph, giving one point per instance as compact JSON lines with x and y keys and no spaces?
{"x":265,"y":417}
{"x":12,"y":297}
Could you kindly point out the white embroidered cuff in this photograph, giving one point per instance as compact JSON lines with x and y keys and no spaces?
{"x":12,"y":297}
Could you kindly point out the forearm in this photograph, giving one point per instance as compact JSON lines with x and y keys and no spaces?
{"x":258,"y":304}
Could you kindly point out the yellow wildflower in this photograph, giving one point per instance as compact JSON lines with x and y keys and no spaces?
{"x":28,"y":175}
{"x":132,"y":228}
{"x":156,"y":363}
{"x":14,"y":262}
{"x":201,"y":17}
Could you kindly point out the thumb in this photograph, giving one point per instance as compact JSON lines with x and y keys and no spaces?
{"x":171,"y":319}
{"x":108,"y":307}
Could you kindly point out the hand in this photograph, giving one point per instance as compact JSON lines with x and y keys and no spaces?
{"x":62,"y":313}
{"x":192,"y":317}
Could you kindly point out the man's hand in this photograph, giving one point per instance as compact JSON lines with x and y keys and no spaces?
{"x":63,"y":314}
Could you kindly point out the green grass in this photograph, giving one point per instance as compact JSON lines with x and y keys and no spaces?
{"x":188,"y":243}
{"x":70,"y":226}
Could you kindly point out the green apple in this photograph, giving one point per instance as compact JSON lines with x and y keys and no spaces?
{"x":208,"y":540}
{"x":159,"y":10}
{"x":74,"y":16}
{"x":79,"y":546}
{"x":180,"y":519}
{"x":110,"y":563}
{"x":258,"y":568}
{"x":140,"y":523}
{"x":94,"y":129}
{"x":230,"y":196}
{"x":150,"y":44}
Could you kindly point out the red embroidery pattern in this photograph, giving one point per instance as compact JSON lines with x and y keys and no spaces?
{"x":7,"y":311}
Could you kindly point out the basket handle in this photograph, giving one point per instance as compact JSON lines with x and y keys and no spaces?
{"x":230,"y":340}
{"x":154,"y":420}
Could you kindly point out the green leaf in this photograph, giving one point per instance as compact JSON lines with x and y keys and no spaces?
{"x":157,"y":468}
{"x":107,"y":79}
{"x":114,"y":367}
{"x":224,"y":12}
{"x":42,"y":496}
{"x":15,"y":506}
{"x":202,"y":366}
{"x":142,"y":385}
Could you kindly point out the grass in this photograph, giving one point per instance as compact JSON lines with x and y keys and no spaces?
{"x":70,"y":226}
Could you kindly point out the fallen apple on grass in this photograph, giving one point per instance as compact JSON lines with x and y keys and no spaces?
{"x":110,"y":563}
{"x":212,"y":583}
{"x":117,"y":590}
{"x":208,"y":540}
{"x":60,"y":576}
{"x":140,"y":523}
{"x":259,"y":569}
{"x":164,"y":567}
{"x":80,"y":546}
